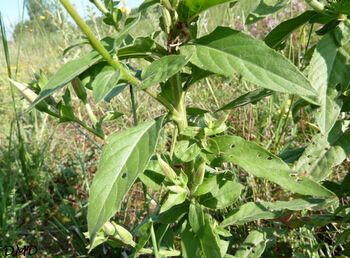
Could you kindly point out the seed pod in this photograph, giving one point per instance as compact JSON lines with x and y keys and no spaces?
{"x":167,"y":170}
{"x":109,"y":228}
{"x":79,"y":89}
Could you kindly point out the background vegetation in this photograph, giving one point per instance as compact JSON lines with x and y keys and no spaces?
{"x":46,"y":167}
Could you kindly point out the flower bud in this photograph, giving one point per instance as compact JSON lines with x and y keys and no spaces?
{"x":198,"y":175}
{"x":30,"y":95}
{"x":108,"y":228}
{"x":123,"y":234}
{"x":79,"y":89}
{"x":167,"y":170}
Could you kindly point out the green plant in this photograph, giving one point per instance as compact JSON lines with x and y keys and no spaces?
{"x":200,"y":188}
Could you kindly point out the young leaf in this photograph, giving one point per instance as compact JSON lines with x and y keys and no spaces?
{"x":226,"y":51}
{"x":261,"y":163}
{"x":186,"y":151}
{"x":217,"y":193}
{"x":143,"y":47}
{"x":123,"y":158}
{"x":104,"y":83}
{"x":325,"y":152}
{"x":162,"y":69}
{"x":190,"y":9}
{"x":284,"y":29}
{"x":173,"y":200}
{"x":67,"y":73}
{"x":250,"y":97}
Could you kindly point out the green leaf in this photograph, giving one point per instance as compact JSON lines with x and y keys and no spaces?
{"x":123,"y":158}
{"x":261,"y":163}
{"x":67,"y":73}
{"x":173,"y":200}
{"x":190,"y":9}
{"x":175,"y":213}
{"x":247,"y":6}
{"x":217,"y":193}
{"x":201,"y":225}
{"x":253,"y":246}
{"x":252,"y":211}
{"x":266,"y":8}
{"x":162,"y":69}
{"x":226,"y":51}
{"x":250,"y":97}
{"x":325,"y":152}
{"x":153,"y":175}
{"x":190,"y":244}
{"x":142,"y":47}
{"x":186,"y":151}
{"x":319,"y":74}
{"x":147,"y":4}
{"x":286,"y":28}
{"x":143,"y":234}
{"x":104,"y":83}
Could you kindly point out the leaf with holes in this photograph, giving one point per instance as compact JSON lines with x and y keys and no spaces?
{"x":261,"y":163}
{"x":123,"y":159}
{"x":226,"y":51}
{"x":325,"y":152}
{"x":253,"y":246}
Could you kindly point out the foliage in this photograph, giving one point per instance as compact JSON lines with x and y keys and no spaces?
{"x":202,"y":202}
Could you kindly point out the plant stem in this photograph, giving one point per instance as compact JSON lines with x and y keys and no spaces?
{"x":133,"y":104}
{"x":91,"y":130}
{"x":95,"y":43}
{"x":153,"y":235}
{"x":316,"y":5}
{"x":100,"y":6}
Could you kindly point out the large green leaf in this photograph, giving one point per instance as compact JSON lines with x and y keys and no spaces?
{"x":325,"y":152}
{"x":190,"y":9}
{"x":123,"y":158}
{"x":162,"y":69}
{"x":319,"y":73}
{"x":284,"y":29}
{"x":104,"y":83}
{"x":247,"y":6}
{"x":67,"y":73}
{"x":252,"y":211}
{"x":261,"y":163}
{"x":226,"y":51}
